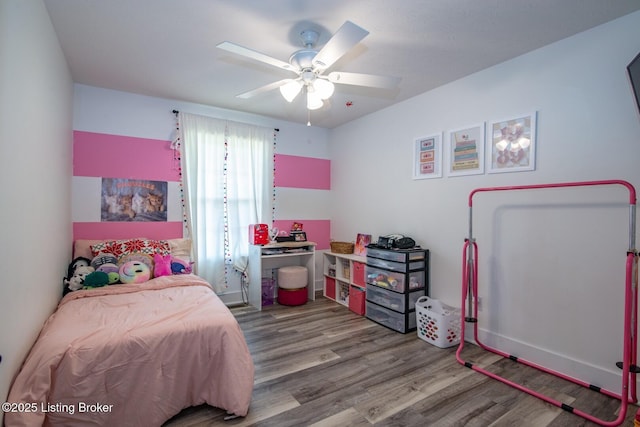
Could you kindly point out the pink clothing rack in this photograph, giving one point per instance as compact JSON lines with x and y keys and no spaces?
{"x":629,"y":350}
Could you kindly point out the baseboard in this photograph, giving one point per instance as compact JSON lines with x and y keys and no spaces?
{"x":232,"y":298}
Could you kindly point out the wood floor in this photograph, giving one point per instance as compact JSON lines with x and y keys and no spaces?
{"x":322,"y":365}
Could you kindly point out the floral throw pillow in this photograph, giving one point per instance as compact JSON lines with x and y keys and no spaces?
{"x":120,"y":248}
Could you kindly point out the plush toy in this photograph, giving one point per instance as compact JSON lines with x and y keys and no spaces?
{"x":134,"y":272}
{"x":161,"y":265}
{"x":114,"y":277}
{"x":96,"y":279}
{"x":179,"y":266}
{"x":76,"y":281}
{"x":108,"y":268}
{"x":77,"y":262}
{"x":103,"y":258}
{"x":112,"y":271}
{"x":146,"y":259}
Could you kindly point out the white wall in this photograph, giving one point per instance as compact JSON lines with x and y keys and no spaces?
{"x":551,"y":262}
{"x":35,"y":177}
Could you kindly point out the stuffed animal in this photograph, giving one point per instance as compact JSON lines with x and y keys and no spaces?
{"x":76,"y":281}
{"x":96,"y":279}
{"x":134,"y":272}
{"x":161,"y":265}
{"x":114,"y":277}
{"x":77,"y":262}
{"x":179,"y":266}
{"x":71,"y":270}
{"x":107,"y":266}
{"x":103,"y":258}
{"x":146,"y":259}
{"x":111,"y":270}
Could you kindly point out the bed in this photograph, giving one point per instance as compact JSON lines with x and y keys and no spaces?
{"x":133,"y":354}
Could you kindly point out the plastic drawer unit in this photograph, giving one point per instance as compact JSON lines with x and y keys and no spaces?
{"x":396,"y":279}
{"x":398,"y":282}
{"x":395,"y":266}
{"x":400,"y":322}
{"x":400,"y":302}
{"x":398,"y":255}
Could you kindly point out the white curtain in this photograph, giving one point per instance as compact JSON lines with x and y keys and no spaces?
{"x":227,"y":173}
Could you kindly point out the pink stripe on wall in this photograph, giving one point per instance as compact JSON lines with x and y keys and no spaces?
{"x":127,"y":230}
{"x":302,"y":172}
{"x":114,"y":156}
{"x":318,"y":230}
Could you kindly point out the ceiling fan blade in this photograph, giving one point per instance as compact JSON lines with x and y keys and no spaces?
{"x":342,"y":41}
{"x":250,"y":53}
{"x":263,"y":89}
{"x":357,"y":79}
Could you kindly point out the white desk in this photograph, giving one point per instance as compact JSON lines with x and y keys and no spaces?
{"x":266,"y":259}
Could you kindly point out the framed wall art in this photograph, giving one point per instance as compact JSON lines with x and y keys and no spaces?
{"x":465,"y":151}
{"x":126,"y":200}
{"x":427,"y":157}
{"x":513,"y":144}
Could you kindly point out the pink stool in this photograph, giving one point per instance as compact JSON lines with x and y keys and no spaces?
{"x":292,"y":285}
{"x":292,"y":296}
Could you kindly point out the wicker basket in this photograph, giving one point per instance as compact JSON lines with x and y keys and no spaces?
{"x":342,"y":247}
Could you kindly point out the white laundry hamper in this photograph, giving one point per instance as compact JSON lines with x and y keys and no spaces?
{"x":438,"y":323}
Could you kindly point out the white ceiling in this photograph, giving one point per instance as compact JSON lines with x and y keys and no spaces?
{"x":167,"y":48}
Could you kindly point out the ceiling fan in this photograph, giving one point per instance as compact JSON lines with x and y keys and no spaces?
{"x":310,"y":65}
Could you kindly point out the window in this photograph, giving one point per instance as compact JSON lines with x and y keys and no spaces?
{"x":228,"y":184}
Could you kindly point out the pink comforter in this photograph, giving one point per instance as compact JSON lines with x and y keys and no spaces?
{"x":133,"y":355}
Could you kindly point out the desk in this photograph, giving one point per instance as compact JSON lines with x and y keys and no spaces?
{"x":264,"y":260}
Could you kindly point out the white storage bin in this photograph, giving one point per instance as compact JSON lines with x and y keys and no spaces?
{"x":437,"y":323}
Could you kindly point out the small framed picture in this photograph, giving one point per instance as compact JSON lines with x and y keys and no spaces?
{"x":427,"y":157}
{"x":362,"y":240}
{"x":299,"y":236}
{"x":513,"y":144}
{"x":466,"y":151}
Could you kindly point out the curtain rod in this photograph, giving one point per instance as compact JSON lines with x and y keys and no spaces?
{"x":176,"y":113}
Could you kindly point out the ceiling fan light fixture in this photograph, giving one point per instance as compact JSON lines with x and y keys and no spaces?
{"x":313,"y":101}
{"x":323,"y":88}
{"x":291,"y":89}
{"x":310,"y":64}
